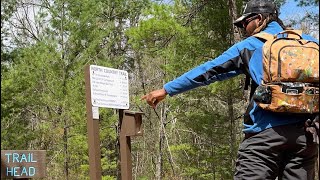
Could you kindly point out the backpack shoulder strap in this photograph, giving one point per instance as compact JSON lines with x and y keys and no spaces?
{"x":290,"y":34}
{"x":265,"y":36}
{"x":297,"y":34}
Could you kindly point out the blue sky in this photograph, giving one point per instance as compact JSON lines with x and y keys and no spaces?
{"x":290,"y":10}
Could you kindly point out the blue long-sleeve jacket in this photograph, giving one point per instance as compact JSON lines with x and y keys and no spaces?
{"x":243,"y":57}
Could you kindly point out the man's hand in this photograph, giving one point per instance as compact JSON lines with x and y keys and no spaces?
{"x":154,"y":97}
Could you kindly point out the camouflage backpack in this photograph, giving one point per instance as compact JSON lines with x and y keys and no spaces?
{"x":290,"y":73}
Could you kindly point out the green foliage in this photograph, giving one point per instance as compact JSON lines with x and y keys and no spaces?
{"x":308,"y":2}
{"x":43,"y":93}
{"x":20,"y":88}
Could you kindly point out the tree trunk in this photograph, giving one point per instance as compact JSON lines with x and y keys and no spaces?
{"x":232,"y":129}
{"x":161,"y":145}
{"x":66,"y":158}
{"x":65,"y":123}
{"x":233,"y":15}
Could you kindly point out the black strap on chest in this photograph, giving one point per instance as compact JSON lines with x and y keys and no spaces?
{"x":247,"y":83}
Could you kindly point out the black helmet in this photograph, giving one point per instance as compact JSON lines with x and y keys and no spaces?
{"x":256,"y":7}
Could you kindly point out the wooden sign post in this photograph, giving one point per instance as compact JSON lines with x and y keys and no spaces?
{"x":23,"y":164}
{"x":108,"y":87}
{"x":130,"y":126}
{"x":93,"y":133}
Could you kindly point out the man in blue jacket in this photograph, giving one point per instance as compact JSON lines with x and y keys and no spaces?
{"x":275,"y":145}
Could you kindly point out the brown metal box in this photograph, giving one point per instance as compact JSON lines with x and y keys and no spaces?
{"x":132,"y":123}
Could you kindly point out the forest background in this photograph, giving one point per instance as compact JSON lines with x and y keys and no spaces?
{"x":45,"y":45}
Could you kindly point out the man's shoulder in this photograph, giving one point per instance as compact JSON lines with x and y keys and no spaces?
{"x":310,"y":38}
{"x":249,"y":43}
